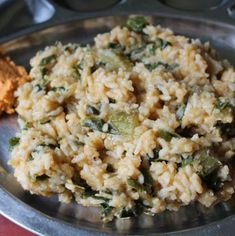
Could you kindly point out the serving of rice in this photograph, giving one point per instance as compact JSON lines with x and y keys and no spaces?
{"x":143,"y":121}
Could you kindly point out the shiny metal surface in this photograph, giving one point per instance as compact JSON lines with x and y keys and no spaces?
{"x":47,"y":216}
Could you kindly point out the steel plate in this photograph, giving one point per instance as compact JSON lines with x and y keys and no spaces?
{"x":49,"y":217}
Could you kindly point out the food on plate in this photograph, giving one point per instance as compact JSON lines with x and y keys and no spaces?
{"x":143,"y":121}
{"x":11,"y":77}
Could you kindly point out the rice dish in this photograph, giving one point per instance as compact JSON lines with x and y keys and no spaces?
{"x":141,"y":121}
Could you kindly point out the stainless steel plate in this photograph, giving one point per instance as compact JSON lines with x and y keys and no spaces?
{"x":49,"y":217}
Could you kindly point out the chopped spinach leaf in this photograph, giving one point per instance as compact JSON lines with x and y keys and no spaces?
{"x":222,"y":105}
{"x":209,"y":164}
{"x":166,"y":135}
{"x":47,"y":60}
{"x":155,"y":156}
{"x":94,"y":123}
{"x":161,"y":43}
{"x":92,"y":110}
{"x":187,"y":161}
{"x":148,"y":179}
{"x":88,"y":193}
{"x":106,"y":209}
{"x":126,"y":213}
{"x":137,"y":23}
{"x":38,"y":87}
{"x":213,"y":181}
{"x":135,"y":185}
{"x":58,"y":89}
{"x":166,"y":65}
{"x":116,"y":47}
{"x":13,"y":142}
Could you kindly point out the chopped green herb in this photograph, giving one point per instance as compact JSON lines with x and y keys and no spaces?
{"x":88,"y":193}
{"x":223,"y":105}
{"x":213,"y":181}
{"x":90,"y":110}
{"x":46,"y":60}
{"x":116,"y":47}
{"x":166,"y":65}
{"x":94,"y":123}
{"x":77,"y":69}
{"x":79,"y":181}
{"x":148,"y":179}
{"x":167,"y":135}
{"x":180,"y":112}
{"x":209,"y":164}
{"x":58,"y":89}
{"x":137,"y":23}
{"x":126,"y":213}
{"x":155,"y":155}
{"x":135,"y":185}
{"x":161,"y":43}
{"x":13,"y":142}
{"x":187,"y":161}
{"x":38,"y":87}
{"x":46,"y":64}
{"x":106,"y":209}
{"x":97,"y":65}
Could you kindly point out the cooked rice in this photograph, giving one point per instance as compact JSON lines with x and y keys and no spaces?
{"x":139,"y":122}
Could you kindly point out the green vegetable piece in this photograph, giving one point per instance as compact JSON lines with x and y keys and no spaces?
{"x":13,"y":142}
{"x":88,"y":193}
{"x":42,"y":177}
{"x":180,"y":112}
{"x":116,"y":47}
{"x":123,"y":122}
{"x":137,"y":23}
{"x":167,"y":135}
{"x":112,"y":60}
{"x":46,"y":64}
{"x":92,"y":110}
{"x":60,"y":89}
{"x":209,"y":164}
{"x":38,"y":87}
{"x":106,"y":209}
{"x":148,"y":180}
{"x":126,"y":213}
{"x":48,"y":60}
{"x":94,"y":123}
{"x":77,"y":179}
{"x":166,"y":65}
{"x":187,"y":161}
{"x":155,"y":155}
{"x":161,"y":43}
{"x":135,"y":185}
{"x":213,"y":181}
{"x":223,"y":105}
{"x":227,"y":129}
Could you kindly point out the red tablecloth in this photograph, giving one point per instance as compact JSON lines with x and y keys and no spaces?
{"x":8,"y":228}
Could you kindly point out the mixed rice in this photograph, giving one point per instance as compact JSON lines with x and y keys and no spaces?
{"x":143,"y":121}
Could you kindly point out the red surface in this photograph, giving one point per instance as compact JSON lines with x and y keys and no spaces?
{"x":8,"y":228}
